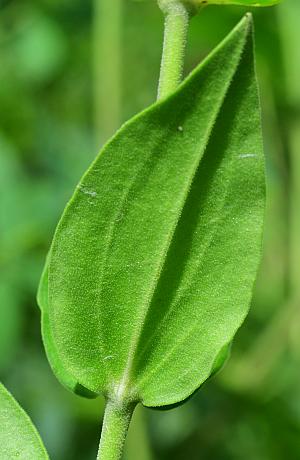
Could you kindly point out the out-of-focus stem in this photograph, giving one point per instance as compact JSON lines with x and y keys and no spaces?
{"x":138,"y":447}
{"x":107,"y":67}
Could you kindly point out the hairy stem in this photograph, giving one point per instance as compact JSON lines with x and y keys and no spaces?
{"x":114,"y":429}
{"x":107,"y":67}
{"x":175,"y":37}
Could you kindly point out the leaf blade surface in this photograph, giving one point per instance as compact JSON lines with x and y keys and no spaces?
{"x":111,"y":270}
{"x":64,"y":377}
{"x":228,"y":191}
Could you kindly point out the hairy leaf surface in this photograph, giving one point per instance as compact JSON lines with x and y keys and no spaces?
{"x":153,"y":262}
{"x":19,"y":439}
{"x":65,"y":378}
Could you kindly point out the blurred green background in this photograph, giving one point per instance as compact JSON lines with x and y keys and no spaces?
{"x":71,"y":71}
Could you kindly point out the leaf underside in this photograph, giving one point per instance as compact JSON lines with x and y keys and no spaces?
{"x":153,"y":262}
{"x":18,"y":437}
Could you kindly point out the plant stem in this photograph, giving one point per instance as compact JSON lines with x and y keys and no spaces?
{"x":114,"y":429}
{"x":175,"y":37}
{"x":107,"y":67}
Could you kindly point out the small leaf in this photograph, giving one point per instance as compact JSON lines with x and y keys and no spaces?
{"x":153,"y":262}
{"x":18,"y":437}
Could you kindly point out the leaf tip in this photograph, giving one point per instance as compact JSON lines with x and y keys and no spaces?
{"x":245,"y":26}
{"x":248,"y":20}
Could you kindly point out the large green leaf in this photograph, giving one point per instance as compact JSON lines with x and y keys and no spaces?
{"x":153,"y":262}
{"x":18,"y":437}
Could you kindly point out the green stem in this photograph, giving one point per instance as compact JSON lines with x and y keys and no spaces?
{"x":175,"y":37}
{"x":114,"y":429}
{"x":107,"y":67}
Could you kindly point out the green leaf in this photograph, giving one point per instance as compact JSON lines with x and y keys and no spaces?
{"x":67,"y":380}
{"x":234,"y":2}
{"x":153,"y":262}
{"x":18,"y":437}
{"x":194,"y":5}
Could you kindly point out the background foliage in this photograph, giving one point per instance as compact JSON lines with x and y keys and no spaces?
{"x":50,"y":130}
